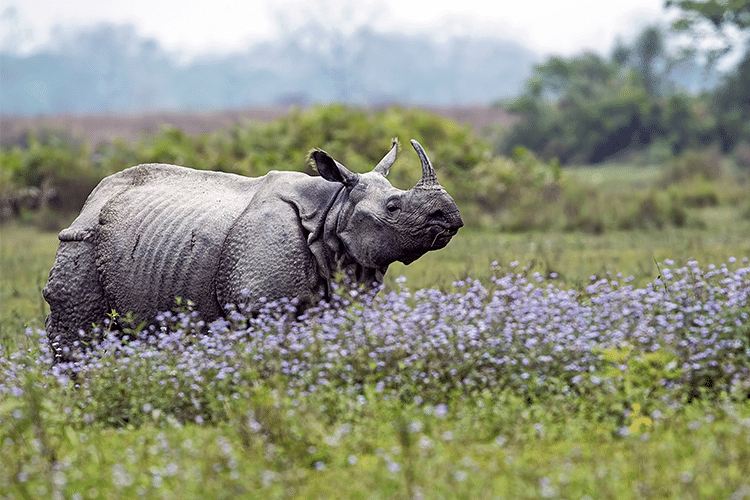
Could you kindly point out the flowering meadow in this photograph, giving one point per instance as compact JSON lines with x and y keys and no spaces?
{"x":515,"y":388}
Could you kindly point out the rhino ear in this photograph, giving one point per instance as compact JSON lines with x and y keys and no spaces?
{"x":330,"y":169}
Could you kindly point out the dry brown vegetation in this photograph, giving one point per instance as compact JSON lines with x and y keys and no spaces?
{"x":99,"y":128}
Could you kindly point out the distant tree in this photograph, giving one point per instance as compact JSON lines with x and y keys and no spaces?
{"x":718,"y":19}
{"x":727,"y":21}
{"x":720,"y":13}
{"x":663,"y":71}
{"x":651,"y":58}
{"x":621,"y":53}
{"x":338,"y":30}
{"x":731,"y":102}
{"x":587,"y":108}
{"x":583,"y":109}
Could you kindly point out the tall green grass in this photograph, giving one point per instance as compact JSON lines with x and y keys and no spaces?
{"x":320,"y":447}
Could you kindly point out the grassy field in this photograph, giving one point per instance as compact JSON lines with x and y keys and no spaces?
{"x":268,"y":438}
{"x":27,"y":254}
{"x":528,"y":364}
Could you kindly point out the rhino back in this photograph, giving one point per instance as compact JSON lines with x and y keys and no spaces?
{"x":160,"y":236}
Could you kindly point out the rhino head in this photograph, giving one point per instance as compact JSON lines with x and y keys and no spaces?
{"x":379,"y":224}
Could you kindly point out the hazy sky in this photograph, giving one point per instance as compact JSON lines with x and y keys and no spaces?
{"x":203,"y":26}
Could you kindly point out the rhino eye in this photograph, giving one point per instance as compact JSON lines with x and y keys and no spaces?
{"x":393,"y":206}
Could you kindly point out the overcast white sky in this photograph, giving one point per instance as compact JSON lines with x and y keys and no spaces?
{"x":191,"y":27}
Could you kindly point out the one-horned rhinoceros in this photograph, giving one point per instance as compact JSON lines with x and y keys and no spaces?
{"x":154,"y":232}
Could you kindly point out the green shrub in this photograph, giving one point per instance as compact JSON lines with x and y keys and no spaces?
{"x":55,"y":165}
{"x":10,"y":164}
{"x":706,"y":164}
{"x":741,"y":155}
{"x":745,"y":210}
{"x":696,"y":192}
{"x":515,"y":193}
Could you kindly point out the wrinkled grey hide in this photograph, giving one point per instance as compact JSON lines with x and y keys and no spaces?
{"x":154,"y":232}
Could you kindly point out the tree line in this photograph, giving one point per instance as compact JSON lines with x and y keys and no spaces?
{"x":591,"y":108}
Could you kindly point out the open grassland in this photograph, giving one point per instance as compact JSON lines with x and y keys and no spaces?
{"x":27,"y":254}
{"x":574,"y":404}
{"x":585,"y":336}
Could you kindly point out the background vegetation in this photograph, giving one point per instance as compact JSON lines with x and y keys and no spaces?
{"x":46,"y":177}
{"x":110,"y":68}
{"x":588,"y":108}
{"x":632,"y":108}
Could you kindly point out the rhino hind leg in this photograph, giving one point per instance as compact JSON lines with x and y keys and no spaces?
{"x":75,"y":297}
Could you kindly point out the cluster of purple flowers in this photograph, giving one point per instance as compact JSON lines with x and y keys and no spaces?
{"x":520,"y":332}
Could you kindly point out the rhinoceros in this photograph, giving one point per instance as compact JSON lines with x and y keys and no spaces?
{"x":154,"y":232}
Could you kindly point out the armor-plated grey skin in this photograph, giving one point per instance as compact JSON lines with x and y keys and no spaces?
{"x":154,"y":232}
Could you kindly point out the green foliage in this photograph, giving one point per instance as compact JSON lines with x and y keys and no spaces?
{"x":711,"y":18}
{"x":618,"y":434}
{"x":489,"y":445}
{"x":587,"y":109}
{"x":719,"y":14}
{"x":648,"y":209}
{"x":649,"y":49}
{"x":732,"y":102}
{"x":323,"y":446}
{"x":701,"y":179}
{"x":357,"y":137}
{"x":525,"y":194}
{"x":704,"y":165}
{"x":57,"y":168}
{"x":513,"y":191}
{"x":640,"y":372}
{"x":742,"y":155}
{"x":582,"y":110}
{"x":516,"y":193}
{"x":56,"y":160}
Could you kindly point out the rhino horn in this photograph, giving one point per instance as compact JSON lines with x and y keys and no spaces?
{"x":429,"y":179}
{"x":387,"y":162}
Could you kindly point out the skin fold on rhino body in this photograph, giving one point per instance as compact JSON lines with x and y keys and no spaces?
{"x":154,"y":232}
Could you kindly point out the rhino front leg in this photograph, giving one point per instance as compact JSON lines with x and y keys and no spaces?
{"x":75,"y":298}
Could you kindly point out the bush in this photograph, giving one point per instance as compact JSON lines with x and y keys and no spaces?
{"x":594,"y":211}
{"x":696,"y":193}
{"x":706,"y":165}
{"x":53,"y":167}
{"x":516,"y":193}
{"x":356,"y":137}
{"x":742,"y":155}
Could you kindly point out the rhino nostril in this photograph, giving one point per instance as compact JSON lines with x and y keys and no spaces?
{"x":437,"y":214}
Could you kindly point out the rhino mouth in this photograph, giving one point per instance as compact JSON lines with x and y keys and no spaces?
{"x":434,"y":237}
{"x":441,"y":235}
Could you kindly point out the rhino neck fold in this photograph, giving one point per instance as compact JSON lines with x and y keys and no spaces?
{"x":332,"y":256}
{"x":322,"y":239}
